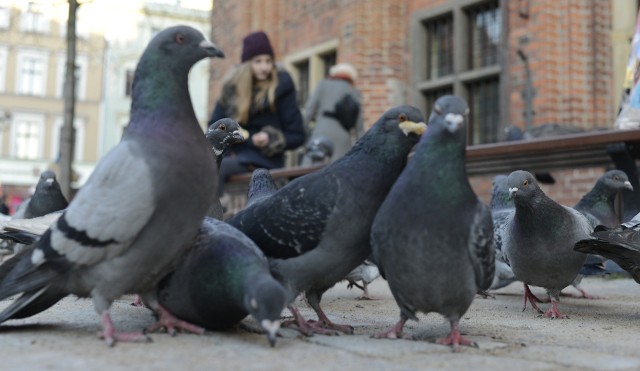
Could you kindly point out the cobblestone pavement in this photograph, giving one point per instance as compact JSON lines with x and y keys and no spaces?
{"x":600,"y":334}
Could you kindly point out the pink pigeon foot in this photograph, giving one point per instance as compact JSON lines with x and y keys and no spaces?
{"x":553,"y":312}
{"x":395,"y":332}
{"x":531,"y":298}
{"x":455,"y":338}
{"x":170,"y":322}
{"x":111,"y":336}
{"x":307,"y":328}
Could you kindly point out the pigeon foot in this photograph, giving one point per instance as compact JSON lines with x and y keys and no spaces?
{"x":583,"y":295}
{"x":138,"y":302}
{"x":325,"y":322}
{"x":306,"y":328}
{"x":111,"y":336}
{"x":395,"y":332}
{"x":171,"y":323}
{"x":455,"y":338}
{"x":528,"y":296}
{"x":553,"y":312}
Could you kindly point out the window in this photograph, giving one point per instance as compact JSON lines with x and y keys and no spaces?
{"x":79,"y":125}
{"x":80,"y":75}
{"x":3,"y":67}
{"x":5,"y":17}
{"x":303,"y":81}
{"x":439,"y":47}
{"x":33,"y":20}
{"x":472,"y":31}
{"x":32,"y":72}
{"x":26,"y":136}
{"x":328,"y":61}
{"x":484,"y":106}
{"x":484,"y":35}
{"x":128,"y":81}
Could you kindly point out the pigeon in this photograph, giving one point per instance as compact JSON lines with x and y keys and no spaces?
{"x":432,"y":220}
{"x":319,"y":150}
{"x":366,"y":272}
{"x":315,"y":229}
{"x":501,"y":210}
{"x":261,"y":186}
{"x":538,"y":240}
{"x":224,"y":277}
{"x":120,"y":234}
{"x":598,"y":206}
{"x":222,"y":134}
{"x":620,"y":244}
{"x":46,"y":199}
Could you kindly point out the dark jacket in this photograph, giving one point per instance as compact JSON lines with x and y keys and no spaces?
{"x":286,"y":118}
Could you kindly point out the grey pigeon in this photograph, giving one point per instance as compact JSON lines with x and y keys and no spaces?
{"x":432,"y":221}
{"x":539,"y":238}
{"x":598,"y":205}
{"x":620,"y":244}
{"x":222,"y":134}
{"x":501,"y":211}
{"x":315,"y":229}
{"x":46,"y":199}
{"x":120,"y":234}
{"x":224,"y":277}
{"x":366,"y":273}
{"x":319,"y":150}
{"x":261,"y":186}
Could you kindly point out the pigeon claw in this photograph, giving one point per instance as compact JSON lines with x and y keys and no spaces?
{"x":553,"y":312}
{"x":455,"y":338}
{"x":111,"y":336}
{"x":171,"y":323}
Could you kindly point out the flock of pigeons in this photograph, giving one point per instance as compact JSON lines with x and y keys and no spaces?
{"x":419,"y":221}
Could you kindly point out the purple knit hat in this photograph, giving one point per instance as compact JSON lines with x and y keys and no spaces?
{"x":255,"y":43}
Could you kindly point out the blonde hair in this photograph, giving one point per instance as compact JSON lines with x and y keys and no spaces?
{"x":238,"y":92}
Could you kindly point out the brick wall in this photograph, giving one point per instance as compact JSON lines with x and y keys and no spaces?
{"x":568,"y":48}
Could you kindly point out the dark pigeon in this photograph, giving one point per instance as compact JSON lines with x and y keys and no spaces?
{"x":315,"y":229}
{"x":261,"y":186}
{"x":598,"y":205}
{"x":224,"y":278}
{"x":538,"y":240}
{"x":432,"y":221}
{"x":222,"y":134}
{"x":120,"y":234}
{"x":46,"y":199}
{"x":620,"y":244}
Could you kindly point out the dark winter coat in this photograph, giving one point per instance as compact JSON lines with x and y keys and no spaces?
{"x":286,"y":118}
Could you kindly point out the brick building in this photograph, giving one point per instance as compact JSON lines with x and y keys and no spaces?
{"x":518,"y":62}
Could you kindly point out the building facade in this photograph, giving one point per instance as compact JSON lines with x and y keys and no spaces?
{"x":517,"y":62}
{"x":32,"y":73}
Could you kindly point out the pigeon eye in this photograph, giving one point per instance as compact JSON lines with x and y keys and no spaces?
{"x":402,"y":117}
{"x":181,"y":39}
{"x":222,"y":127}
{"x":525,"y":183}
{"x":616,"y":178}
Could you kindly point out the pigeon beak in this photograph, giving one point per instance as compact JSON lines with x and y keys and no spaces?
{"x":512,"y":192}
{"x":271,"y":327}
{"x":410,"y":127}
{"x":627,"y":185}
{"x":49,"y":181}
{"x":454,"y":121}
{"x":211,"y":49}
{"x":237,"y":136}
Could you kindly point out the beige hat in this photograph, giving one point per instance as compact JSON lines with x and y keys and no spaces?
{"x":343,"y":70}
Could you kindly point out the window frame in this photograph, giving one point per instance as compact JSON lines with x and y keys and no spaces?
{"x":38,"y":119}
{"x":35,"y":54}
